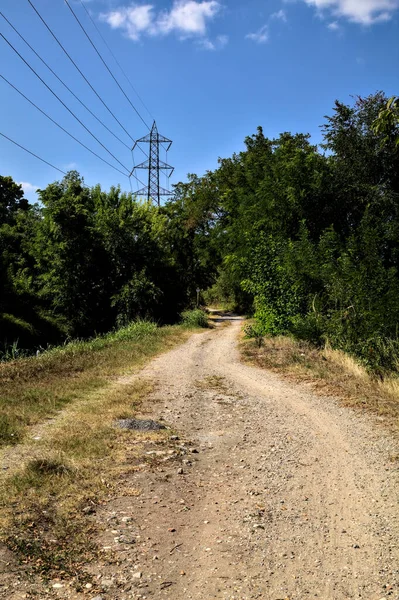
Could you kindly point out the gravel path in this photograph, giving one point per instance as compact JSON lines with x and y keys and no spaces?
{"x":289,"y":496}
{"x":280,"y":494}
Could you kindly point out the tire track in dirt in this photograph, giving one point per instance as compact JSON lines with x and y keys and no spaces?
{"x":289,"y":496}
{"x":276,"y":494}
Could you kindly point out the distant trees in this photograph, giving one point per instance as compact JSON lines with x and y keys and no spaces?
{"x":306,"y":238}
{"x":86,"y":260}
{"x":312,"y":238}
{"x":15,"y":300}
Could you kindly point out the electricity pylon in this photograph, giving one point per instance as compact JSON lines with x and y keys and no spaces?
{"x":154,"y":165}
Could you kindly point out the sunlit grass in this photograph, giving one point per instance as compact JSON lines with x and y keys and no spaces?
{"x":195,"y":318}
{"x":82,"y":458}
{"x":332,"y":372}
{"x":81,"y":462}
{"x":35,"y":388}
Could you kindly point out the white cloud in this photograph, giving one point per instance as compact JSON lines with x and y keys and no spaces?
{"x":334,"y":26}
{"x":364,"y":12}
{"x":280,"y":14}
{"x":220,"y":42}
{"x":188,"y":18}
{"x":261,"y":36}
{"x":28,"y":188}
{"x":134,"y":20}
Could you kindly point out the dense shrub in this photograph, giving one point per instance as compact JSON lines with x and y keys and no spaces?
{"x":87,"y":261}
{"x":195,"y":318}
{"x":313,"y":237}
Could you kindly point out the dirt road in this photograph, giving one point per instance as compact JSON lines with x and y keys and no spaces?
{"x":269,"y":492}
{"x":283,"y":494}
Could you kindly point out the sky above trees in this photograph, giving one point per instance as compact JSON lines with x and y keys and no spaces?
{"x":210,"y":72}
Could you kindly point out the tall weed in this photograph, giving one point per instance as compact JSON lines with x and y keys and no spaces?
{"x":195,"y":318}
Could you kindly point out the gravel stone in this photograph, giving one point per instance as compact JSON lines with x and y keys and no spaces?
{"x":140,"y":424}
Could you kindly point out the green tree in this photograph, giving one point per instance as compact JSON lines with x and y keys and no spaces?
{"x":387,"y":122}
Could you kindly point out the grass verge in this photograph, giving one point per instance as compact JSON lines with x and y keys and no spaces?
{"x":81,"y":460}
{"x":45,"y":503}
{"x":195,"y":318}
{"x":330,"y":372}
{"x":35,"y":388}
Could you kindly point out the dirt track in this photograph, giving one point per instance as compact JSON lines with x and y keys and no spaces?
{"x":290,"y":496}
{"x":283,"y":495}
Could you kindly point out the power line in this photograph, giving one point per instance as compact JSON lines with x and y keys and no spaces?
{"x":60,"y":126}
{"x":39,"y":157}
{"x":77,"y":68}
{"x":63,"y":83}
{"x":116,"y":60}
{"x":63,"y":103}
{"x":104,"y":63}
{"x":32,"y":153}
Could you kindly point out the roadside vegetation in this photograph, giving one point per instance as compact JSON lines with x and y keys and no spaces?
{"x":307,"y":237}
{"x":35,"y":388}
{"x":329,"y":372}
{"x":55,"y":472}
{"x":85,"y":262}
{"x":78,"y":465}
{"x":195,"y":318}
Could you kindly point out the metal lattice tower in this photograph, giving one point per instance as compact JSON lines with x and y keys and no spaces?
{"x":154,"y":165}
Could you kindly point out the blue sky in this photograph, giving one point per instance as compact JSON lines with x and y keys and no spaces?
{"x":209,"y":71}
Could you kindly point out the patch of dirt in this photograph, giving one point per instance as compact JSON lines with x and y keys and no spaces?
{"x":271,"y":493}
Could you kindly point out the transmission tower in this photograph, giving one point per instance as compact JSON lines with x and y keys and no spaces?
{"x":154,"y":165}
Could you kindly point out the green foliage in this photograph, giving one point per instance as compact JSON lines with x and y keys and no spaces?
{"x":11,"y":200}
{"x":228,"y":292}
{"x":195,"y":318}
{"x":137,"y":330}
{"x":87,"y":261}
{"x":255,"y":330}
{"x":304,"y":238}
{"x":312,"y":239}
{"x":387,"y":122}
{"x":276,"y":293}
{"x":131,"y":332}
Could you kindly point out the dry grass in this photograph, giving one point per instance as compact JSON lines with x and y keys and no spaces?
{"x":330,"y":372}
{"x":213,"y":382}
{"x":82,"y":457}
{"x":79,"y":464}
{"x":35,"y":388}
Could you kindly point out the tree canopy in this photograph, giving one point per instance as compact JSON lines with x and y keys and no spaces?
{"x":304,"y":237}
